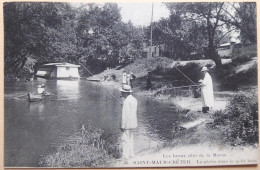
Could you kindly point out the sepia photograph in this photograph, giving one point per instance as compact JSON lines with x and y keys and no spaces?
{"x":130,"y":84}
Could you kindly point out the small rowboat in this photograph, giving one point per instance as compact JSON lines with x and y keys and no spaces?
{"x":34,"y":97}
{"x":95,"y":80}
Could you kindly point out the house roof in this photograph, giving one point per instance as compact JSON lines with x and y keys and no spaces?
{"x":61,"y":65}
{"x":225,"y":44}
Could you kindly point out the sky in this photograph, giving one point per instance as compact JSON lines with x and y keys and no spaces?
{"x":139,"y":13}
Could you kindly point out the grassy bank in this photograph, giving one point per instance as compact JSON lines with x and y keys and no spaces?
{"x":82,"y":149}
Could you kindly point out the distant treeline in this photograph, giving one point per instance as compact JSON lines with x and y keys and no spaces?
{"x":42,"y":32}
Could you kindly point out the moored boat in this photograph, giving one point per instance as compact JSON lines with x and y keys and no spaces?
{"x":96,"y":80}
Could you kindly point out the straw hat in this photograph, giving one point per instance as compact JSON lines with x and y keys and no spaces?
{"x":126,"y":88}
{"x":204,"y":69}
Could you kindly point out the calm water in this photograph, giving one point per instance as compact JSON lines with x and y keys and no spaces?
{"x":34,"y":130}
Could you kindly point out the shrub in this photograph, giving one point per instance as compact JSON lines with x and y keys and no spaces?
{"x":232,"y":80}
{"x":239,"y":121}
{"x":83,"y":149}
{"x":241,"y":59}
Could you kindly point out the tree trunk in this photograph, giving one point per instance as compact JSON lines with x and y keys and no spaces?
{"x":21,"y":66}
{"x":211,"y":52}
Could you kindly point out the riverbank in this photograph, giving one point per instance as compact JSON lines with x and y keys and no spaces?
{"x":166,"y":80}
{"x":238,"y":79}
{"x":196,"y":129}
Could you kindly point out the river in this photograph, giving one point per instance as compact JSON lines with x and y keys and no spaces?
{"x":34,"y":130}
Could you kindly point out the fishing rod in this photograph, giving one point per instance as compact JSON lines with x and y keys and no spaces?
{"x":99,"y":82}
{"x":183,"y":74}
{"x":185,"y":86}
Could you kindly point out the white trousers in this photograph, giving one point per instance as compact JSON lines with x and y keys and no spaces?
{"x":128,"y":143}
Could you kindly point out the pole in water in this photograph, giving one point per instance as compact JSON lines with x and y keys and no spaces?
{"x":99,"y":82}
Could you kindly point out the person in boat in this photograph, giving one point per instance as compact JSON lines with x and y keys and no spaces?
{"x":128,"y":121}
{"x":44,"y":88}
{"x":124,"y":78}
{"x":206,"y":91}
{"x":41,"y":89}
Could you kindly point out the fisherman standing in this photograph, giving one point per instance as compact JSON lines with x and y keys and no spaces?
{"x":132,"y":79}
{"x":128,"y":122}
{"x":124,"y":77}
{"x":148,"y":80}
{"x":206,"y":91}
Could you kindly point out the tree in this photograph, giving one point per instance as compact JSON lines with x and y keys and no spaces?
{"x":206,"y":14}
{"x":58,"y":32}
{"x":179,"y":36}
{"x":103,"y":36}
{"x":242,"y":16}
{"x":39,"y":31}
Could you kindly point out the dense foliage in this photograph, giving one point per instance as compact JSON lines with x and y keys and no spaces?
{"x":37,"y":33}
{"x":194,"y":30}
{"x":239,"y":121}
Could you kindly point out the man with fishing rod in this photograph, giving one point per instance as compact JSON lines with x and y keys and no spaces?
{"x":207,"y":95}
{"x":128,"y":121}
{"x":206,"y":87}
{"x":129,"y":117}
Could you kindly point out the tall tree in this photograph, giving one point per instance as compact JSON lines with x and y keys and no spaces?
{"x":242,"y":16}
{"x":36,"y":30}
{"x":206,"y":14}
{"x":103,"y":36}
{"x":179,"y":36}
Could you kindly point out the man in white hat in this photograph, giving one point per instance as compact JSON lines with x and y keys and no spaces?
{"x":206,"y":91}
{"x":129,"y":121}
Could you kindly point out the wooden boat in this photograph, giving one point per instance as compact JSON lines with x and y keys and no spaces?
{"x":34,"y":97}
{"x":96,"y":80}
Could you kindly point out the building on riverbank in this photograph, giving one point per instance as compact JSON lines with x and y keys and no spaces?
{"x":233,"y":49}
{"x":58,"y":70}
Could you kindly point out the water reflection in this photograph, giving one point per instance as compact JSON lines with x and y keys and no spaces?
{"x":36,"y":109}
{"x":68,"y":89}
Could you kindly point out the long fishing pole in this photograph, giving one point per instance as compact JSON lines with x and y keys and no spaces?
{"x":185,"y":86}
{"x":99,"y":82}
{"x":184,"y":74}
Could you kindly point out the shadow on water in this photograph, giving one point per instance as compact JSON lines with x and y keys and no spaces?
{"x":34,"y":130}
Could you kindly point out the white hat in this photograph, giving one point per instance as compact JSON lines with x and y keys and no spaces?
{"x":126,"y":88}
{"x":204,"y":69}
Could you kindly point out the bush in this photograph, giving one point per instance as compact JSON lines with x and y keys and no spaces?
{"x":241,"y":59}
{"x":239,"y":121}
{"x":232,"y":80}
{"x":83,"y":149}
